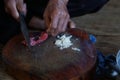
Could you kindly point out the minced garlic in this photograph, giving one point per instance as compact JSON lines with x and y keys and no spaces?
{"x":63,"y":41}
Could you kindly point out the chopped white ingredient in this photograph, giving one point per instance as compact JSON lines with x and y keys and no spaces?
{"x":75,"y":49}
{"x":63,"y":41}
{"x":76,"y":38}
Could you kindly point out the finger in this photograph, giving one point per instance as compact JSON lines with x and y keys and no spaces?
{"x":47,"y":20}
{"x":60,"y":25}
{"x":52,"y":31}
{"x":24,"y":9}
{"x":54,"y":21}
{"x":54,"y":24}
{"x":48,"y":23}
{"x":21,"y":6}
{"x":71,"y":24}
{"x":65,"y":23}
{"x":11,"y":8}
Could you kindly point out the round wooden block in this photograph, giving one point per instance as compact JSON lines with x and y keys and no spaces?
{"x":46,"y":61}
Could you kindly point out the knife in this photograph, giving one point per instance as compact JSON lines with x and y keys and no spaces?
{"x":24,"y":29}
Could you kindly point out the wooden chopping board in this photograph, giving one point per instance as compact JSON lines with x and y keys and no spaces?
{"x":48,"y":62}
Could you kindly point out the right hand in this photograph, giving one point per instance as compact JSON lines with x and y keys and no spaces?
{"x":56,"y":17}
{"x":13,"y":7}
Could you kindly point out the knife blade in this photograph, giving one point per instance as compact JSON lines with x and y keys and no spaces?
{"x":24,"y":29}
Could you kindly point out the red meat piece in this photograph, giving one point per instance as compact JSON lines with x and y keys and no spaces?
{"x":37,"y":39}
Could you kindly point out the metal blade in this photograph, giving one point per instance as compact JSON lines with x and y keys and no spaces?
{"x":24,"y":30}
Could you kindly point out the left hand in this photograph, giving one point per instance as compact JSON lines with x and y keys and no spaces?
{"x":56,"y":17}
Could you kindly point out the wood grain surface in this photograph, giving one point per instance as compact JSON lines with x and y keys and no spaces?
{"x":47,"y":61}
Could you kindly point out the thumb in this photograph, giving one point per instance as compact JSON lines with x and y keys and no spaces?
{"x":71,"y":24}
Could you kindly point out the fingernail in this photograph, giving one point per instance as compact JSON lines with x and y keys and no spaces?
{"x":16,"y":16}
{"x":24,"y":9}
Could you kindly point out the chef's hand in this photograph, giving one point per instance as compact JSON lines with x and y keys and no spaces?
{"x":56,"y":17}
{"x":13,"y":7}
